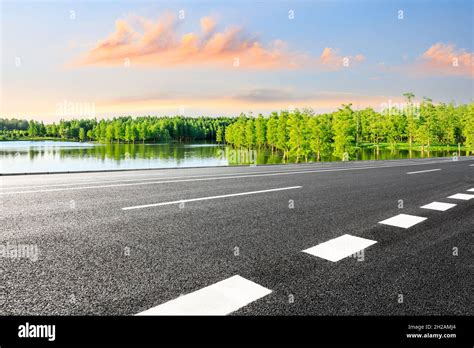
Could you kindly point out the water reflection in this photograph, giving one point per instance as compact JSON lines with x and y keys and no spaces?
{"x":26,"y":156}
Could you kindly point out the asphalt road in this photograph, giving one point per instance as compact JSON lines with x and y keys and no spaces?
{"x":209,"y":224}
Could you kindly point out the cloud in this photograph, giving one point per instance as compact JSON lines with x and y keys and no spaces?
{"x":248,"y":99}
{"x":208,"y":25}
{"x":255,"y":100}
{"x":260,"y":95}
{"x":144,"y":42}
{"x":158,"y":43}
{"x":445,"y":59}
{"x":439,"y":60}
{"x":280,"y":95}
{"x":333,"y":61}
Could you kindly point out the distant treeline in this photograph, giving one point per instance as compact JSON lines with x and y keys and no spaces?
{"x":299,"y":134}
{"x":121,"y":129}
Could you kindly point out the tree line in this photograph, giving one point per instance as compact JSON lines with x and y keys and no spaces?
{"x":120,"y":129}
{"x":302,"y":134}
{"x":297,"y":134}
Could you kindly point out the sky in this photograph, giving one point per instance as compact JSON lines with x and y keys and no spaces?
{"x":86,"y":59}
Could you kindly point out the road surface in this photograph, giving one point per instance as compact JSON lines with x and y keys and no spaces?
{"x":308,"y":239}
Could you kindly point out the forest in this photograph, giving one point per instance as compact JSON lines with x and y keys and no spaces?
{"x":297,"y":134}
{"x":119,"y":129}
{"x":302,"y":134}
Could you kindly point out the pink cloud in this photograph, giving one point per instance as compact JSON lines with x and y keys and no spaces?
{"x":332,"y":60}
{"x":159,"y":44}
{"x":437,"y":61}
{"x":207,"y":25}
{"x":445,"y":59}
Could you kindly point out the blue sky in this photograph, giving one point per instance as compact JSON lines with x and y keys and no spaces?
{"x":61,"y":58}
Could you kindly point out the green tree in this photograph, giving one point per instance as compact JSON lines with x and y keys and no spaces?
{"x":260,"y":131}
{"x":343,"y":131}
{"x":298,"y":136}
{"x":422,"y":136}
{"x":320,"y":135}
{"x":272,"y":131}
{"x":82,"y":134}
{"x":411,"y":117}
{"x":133,"y":133}
{"x":229,"y":134}
{"x":118,"y":131}
{"x":219,"y":134}
{"x":142,"y":132}
{"x":32,"y":129}
{"x":282,"y":134}
{"x":249,"y":133}
{"x":109,"y":133}
{"x":468,"y":128}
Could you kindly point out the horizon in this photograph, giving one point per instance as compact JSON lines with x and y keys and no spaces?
{"x":389,"y":106}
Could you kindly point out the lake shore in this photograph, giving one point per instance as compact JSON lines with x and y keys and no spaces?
{"x":68,"y":156}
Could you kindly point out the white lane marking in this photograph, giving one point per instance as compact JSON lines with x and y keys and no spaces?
{"x":439,"y":206}
{"x":471,"y":190}
{"x":403,"y":220}
{"x":221,"y":298}
{"x":462,"y":196}
{"x":339,"y":248}
{"x":211,"y":197}
{"x":424,"y":171}
{"x":199,"y":178}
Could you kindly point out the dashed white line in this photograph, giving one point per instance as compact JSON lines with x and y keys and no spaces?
{"x":439,"y":206}
{"x":471,"y":190}
{"x":462,"y":196}
{"x":211,"y":197}
{"x":424,"y":171}
{"x":339,"y":248}
{"x":403,"y":220}
{"x":221,"y":298}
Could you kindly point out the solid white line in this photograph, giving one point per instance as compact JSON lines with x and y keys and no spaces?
{"x":221,"y":298}
{"x":199,"y":178}
{"x":211,"y":197}
{"x":424,"y":171}
{"x":403,"y":220}
{"x":339,"y":248}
